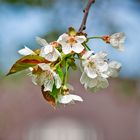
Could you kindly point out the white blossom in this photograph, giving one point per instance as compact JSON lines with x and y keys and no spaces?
{"x":117,"y":41}
{"x":114,"y":68}
{"x":26,"y":51}
{"x":95,"y":72}
{"x":47,"y":77}
{"x":71,"y":43}
{"x":48,"y":51}
{"x":66,"y":99}
{"x":94,"y":83}
{"x":95,"y":65}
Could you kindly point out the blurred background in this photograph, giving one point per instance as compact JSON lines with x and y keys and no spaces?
{"x":112,"y":114}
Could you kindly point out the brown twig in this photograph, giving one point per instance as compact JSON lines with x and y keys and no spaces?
{"x":86,"y":12}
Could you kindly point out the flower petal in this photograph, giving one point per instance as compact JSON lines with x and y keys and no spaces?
{"x":76,"y":97}
{"x":80,"y":39}
{"x":48,"y":84}
{"x":41,"y":41}
{"x":117,"y":40}
{"x":100,"y":55}
{"x":52,"y":56}
{"x":91,"y":72}
{"x":77,"y":47}
{"x":104,"y":75}
{"x":38,"y":79}
{"x":69,"y":98}
{"x":48,"y":49}
{"x":115,"y":64}
{"x":66,"y":48}
{"x":102,"y":66}
{"x":103,"y":83}
{"x":87,"y":54}
{"x":83,"y":78}
{"x":34,"y":79}
{"x":63,"y":38}
{"x":58,"y":81}
{"x":121,"y":47}
{"x":44,"y":66}
{"x":88,"y":82}
{"x":122,"y":37}
{"x":57,"y":52}
{"x":114,"y":68}
{"x":45,"y":50}
{"x":49,"y":53}
{"x":64,"y":99}
{"x":26,"y":51}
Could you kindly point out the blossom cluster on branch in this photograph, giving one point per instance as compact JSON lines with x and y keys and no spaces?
{"x":49,"y":65}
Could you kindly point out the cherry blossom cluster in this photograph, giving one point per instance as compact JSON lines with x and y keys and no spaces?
{"x":49,"y":65}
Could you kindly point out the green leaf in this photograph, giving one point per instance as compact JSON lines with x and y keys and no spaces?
{"x":60,"y":73}
{"x":55,"y":92}
{"x":26,"y":62}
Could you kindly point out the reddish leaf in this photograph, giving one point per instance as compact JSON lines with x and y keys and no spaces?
{"x":48,"y":97}
{"x":26,"y":62}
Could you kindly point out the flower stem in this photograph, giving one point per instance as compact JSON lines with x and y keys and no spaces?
{"x":86,"y":46}
{"x":60,"y":61}
{"x":66,"y":73}
{"x":94,"y":37}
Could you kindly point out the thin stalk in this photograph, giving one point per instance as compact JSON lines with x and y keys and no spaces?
{"x":60,"y":61}
{"x":86,"y":46}
{"x":66,"y":73}
{"x":94,"y":37}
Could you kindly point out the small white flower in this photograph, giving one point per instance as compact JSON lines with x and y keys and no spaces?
{"x":117,"y":41}
{"x":48,"y":51}
{"x":47,"y":77}
{"x":114,"y":68}
{"x":97,"y":69}
{"x":71,"y":43}
{"x":95,"y":72}
{"x":66,"y":99}
{"x":93,"y":83}
{"x":95,"y":65}
{"x":26,"y":51}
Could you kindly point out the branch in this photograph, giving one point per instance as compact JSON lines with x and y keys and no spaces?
{"x":86,"y":12}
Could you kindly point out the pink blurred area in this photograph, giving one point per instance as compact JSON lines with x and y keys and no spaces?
{"x":112,"y":114}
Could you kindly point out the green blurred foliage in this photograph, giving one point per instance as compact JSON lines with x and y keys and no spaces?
{"x":44,"y":3}
{"x":53,"y":35}
{"x":31,"y":2}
